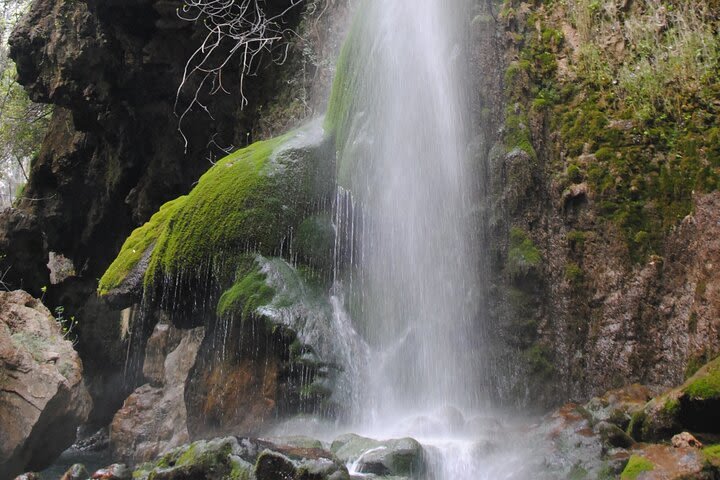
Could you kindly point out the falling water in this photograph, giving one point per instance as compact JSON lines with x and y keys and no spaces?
{"x":414,"y":249}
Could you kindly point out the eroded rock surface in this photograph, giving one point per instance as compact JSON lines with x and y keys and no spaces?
{"x":153,"y":418}
{"x":42,"y":395}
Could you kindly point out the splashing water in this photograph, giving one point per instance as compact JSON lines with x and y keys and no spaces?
{"x":417,"y":285}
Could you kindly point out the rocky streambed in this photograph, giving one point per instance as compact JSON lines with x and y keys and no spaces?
{"x":636,"y":432}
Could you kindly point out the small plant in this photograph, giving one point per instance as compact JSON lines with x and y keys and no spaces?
{"x":67,"y":324}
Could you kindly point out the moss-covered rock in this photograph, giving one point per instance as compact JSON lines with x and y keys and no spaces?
{"x":135,"y":248}
{"x":635,"y":466}
{"x":249,"y":201}
{"x":693,"y":406}
{"x":231,"y":458}
{"x":523,"y":255}
{"x":397,"y":457}
{"x":315,"y":242}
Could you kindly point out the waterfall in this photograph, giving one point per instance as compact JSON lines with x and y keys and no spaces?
{"x":414,"y":256}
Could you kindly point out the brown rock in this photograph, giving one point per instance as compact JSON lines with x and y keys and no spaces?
{"x":153,"y":418}
{"x":42,"y":395}
{"x":685,"y":440}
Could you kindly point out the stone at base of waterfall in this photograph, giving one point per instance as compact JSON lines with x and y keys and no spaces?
{"x":243,"y":459}
{"x":398,"y":457}
{"x":43,"y":398}
{"x":76,"y":472}
{"x":116,"y":471}
{"x":612,"y":435}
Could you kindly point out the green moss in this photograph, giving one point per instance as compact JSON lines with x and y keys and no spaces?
{"x":574,"y":274}
{"x":523,"y":255}
{"x":355,"y":58}
{"x":637,"y":425}
{"x":576,"y":239}
{"x":670,"y":408}
{"x":712,"y":454}
{"x":539,"y":360}
{"x":635,"y":466}
{"x":249,"y":292}
{"x":705,"y":385}
{"x":136,"y":246}
{"x":648,"y":113}
{"x":315,"y":241}
{"x":248,"y":202}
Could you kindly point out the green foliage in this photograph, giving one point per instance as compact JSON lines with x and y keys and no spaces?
{"x":576,"y":238}
{"x":635,"y":466}
{"x":23,"y":123}
{"x":523,"y":255}
{"x":647,"y":111}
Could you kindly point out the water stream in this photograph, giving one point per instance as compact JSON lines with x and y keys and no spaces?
{"x":403,"y":215}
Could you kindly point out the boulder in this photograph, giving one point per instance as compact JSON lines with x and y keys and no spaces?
{"x":243,"y":459}
{"x":694,"y":406}
{"x":685,"y":440}
{"x":397,"y":457}
{"x":43,"y":399}
{"x":116,"y":471}
{"x":76,"y":472}
{"x":153,"y":419}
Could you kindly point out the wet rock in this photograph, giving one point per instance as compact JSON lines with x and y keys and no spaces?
{"x":244,"y":459}
{"x":116,"y":471}
{"x":76,"y":472}
{"x":96,"y":442}
{"x":656,"y":462}
{"x":28,"y":476}
{"x":685,"y":440}
{"x":274,"y":466}
{"x":213,"y":459}
{"x":153,"y":419}
{"x":618,"y":406}
{"x":613,"y":436}
{"x":693,"y":406}
{"x":401,"y":457}
{"x":43,"y":398}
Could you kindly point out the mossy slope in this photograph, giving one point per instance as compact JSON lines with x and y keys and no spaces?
{"x":250,"y":201}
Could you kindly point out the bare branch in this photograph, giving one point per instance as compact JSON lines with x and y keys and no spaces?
{"x":235,"y":28}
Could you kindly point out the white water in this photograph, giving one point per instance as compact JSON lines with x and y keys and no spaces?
{"x":416,"y":257}
{"x":412,"y":250}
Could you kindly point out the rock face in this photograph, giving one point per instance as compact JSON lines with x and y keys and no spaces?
{"x":153,"y":418}
{"x":113,"y":155}
{"x":42,"y":395}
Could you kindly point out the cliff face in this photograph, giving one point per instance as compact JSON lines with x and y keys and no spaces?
{"x":113,"y":153}
{"x":609,"y":192}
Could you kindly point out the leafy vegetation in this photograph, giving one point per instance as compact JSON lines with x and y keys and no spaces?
{"x":23,"y":123}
